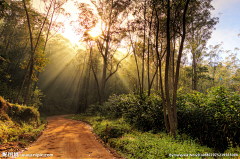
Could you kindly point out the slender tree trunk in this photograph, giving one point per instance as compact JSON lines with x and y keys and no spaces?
{"x":170,"y":113}
{"x":95,"y":77}
{"x":173,"y":53}
{"x":143,"y":53}
{"x":160,"y":77}
{"x":148,"y":67}
{"x":23,"y":81}
{"x":163,"y":99}
{"x":29,"y":82}
{"x":78,"y":92}
{"x":135,"y":57}
{"x":139,"y":79}
{"x":105,"y":58}
{"x":149,"y":35}
{"x":31,"y":58}
{"x":156,"y":86}
{"x":178,"y":65}
{"x":87,"y":85}
{"x":103,"y":81}
{"x":194,"y":72}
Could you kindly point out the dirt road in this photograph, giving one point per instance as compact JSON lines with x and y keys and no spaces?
{"x":66,"y":138}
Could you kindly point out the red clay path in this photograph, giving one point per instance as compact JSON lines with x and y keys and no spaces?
{"x":68,"y":139}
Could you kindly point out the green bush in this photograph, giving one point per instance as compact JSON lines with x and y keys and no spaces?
{"x":93,"y":109}
{"x":144,"y":113}
{"x":24,"y":114}
{"x":117,"y":105}
{"x":217,"y":112}
{"x":112,"y":129}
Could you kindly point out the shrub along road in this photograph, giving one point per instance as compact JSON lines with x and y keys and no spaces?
{"x":66,"y":138}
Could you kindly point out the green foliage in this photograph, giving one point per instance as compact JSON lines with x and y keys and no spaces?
{"x":116,"y":105}
{"x":13,"y":131}
{"x":144,"y":113}
{"x":24,"y":114}
{"x":193,"y":99}
{"x":147,"y":145}
{"x":35,"y":99}
{"x":110,"y":129}
{"x":93,"y":109}
{"x":217,"y":112}
{"x":19,"y":122}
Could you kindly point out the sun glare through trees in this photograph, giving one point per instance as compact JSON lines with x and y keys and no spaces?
{"x":95,"y":32}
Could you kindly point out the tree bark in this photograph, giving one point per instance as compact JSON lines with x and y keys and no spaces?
{"x":135,"y":57}
{"x":160,"y":76}
{"x":170,"y":112}
{"x":149,"y":35}
{"x":178,"y":65}
{"x":143,"y":51}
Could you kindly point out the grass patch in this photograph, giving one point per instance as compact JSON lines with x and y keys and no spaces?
{"x":148,"y":145}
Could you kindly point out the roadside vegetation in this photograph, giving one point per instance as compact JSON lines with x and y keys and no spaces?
{"x":134,"y":126}
{"x":132,"y":143}
{"x":19,"y":126}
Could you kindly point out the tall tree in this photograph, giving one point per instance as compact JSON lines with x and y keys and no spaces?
{"x":214,"y":60}
{"x":200,"y":31}
{"x":53,"y":5}
{"x":172,"y":111}
{"x":111,"y":15}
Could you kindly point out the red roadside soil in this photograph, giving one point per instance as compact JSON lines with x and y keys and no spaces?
{"x":68,"y":139}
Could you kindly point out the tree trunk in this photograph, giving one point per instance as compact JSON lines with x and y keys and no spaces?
{"x":135,"y":57}
{"x":149,"y":35}
{"x":31,"y":58}
{"x":170,"y":113}
{"x":156,"y":86}
{"x":29,"y":82}
{"x":194,"y":72}
{"x":23,"y":81}
{"x":163,"y":99}
{"x":103,"y":81}
{"x":178,"y":65}
{"x":143,"y":53}
{"x":160,"y":77}
{"x":87,"y":86}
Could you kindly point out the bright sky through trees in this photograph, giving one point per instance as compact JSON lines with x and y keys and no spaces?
{"x":227,"y":29}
